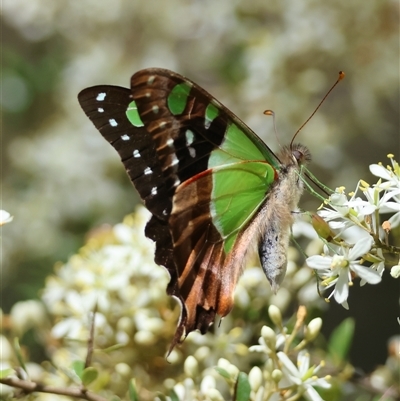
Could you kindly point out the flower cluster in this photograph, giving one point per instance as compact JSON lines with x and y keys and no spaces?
{"x":281,"y":375}
{"x":276,"y":378}
{"x":113,"y":274}
{"x":356,"y":241}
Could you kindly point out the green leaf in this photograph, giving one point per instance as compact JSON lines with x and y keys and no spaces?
{"x":18,"y":353}
{"x":340,"y":340}
{"x":173,"y":396}
{"x":223,"y":373}
{"x":89,"y":375}
{"x":6,"y":372}
{"x":242,"y":388}
{"x":133,"y":395}
{"x":78,"y":367}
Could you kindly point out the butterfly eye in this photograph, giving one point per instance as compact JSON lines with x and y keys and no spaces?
{"x":301,"y":154}
{"x":298,"y":156}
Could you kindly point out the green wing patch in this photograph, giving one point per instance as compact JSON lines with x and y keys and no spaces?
{"x":241,"y":144}
{"x":238,"y":190}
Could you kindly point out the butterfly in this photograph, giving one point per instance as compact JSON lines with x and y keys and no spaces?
{"x":214,"y":188}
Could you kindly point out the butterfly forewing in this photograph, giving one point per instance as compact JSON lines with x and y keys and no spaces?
{"x":106,"y":106}
{"x":176,"y":110}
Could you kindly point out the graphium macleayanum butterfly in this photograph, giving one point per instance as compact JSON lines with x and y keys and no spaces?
{"x":214,"y":188}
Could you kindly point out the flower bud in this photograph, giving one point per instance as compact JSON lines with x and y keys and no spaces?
{"x":395,"y":271}
{"x":255,"y":378}
{"x":191,"y":367}
{"x":321,"y":227}
{"x":276,"y":375}
{"x":207,"y":383}
{"x":214,"y":395}
{"x":313,"y":329}
{"x":275,"y":315}
{"x":7,"y":352}
{"x":269,"y":337}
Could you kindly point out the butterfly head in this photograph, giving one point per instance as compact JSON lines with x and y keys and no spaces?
{"x":295,"y":155}
{"x":300,"y":154}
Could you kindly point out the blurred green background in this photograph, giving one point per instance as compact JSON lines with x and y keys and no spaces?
{"x":60,"y":178}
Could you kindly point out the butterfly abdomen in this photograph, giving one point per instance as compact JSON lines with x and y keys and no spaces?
{"x":278,"y":217}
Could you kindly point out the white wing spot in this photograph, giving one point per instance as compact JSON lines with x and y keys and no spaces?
{"x":136,"y":153}
{"x":148,"y":171}
{"x":189,"y":137}
{"x":101,"y":96}
{"x":112,"y":122}
{"x":155,"y":109}
{"x":174,"y":160}
{"x":192,"y":152}
{"x":151,"y":80}
{"x":148,"y":94}
{"x":170,"y":142}
{"x":125,"y":137}
{"x":177,"y":182}
{"x":162,"y":124}
{"x":154,"y":191}
{"x":100,"y":110}
{"x":165,"y":212}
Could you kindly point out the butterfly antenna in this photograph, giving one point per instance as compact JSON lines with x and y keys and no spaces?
{"x":341,"y":76}
{"x":271,"y":113}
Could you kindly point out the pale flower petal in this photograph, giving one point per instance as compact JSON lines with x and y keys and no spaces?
{"x":395,"y":271}
{"x":395,"y":220}
{"x":318,"y":262}
{"x":5,"y":217}
{"x":290,"y":368}
{"x":379,"y":171}
{"x":342,"y":287}
{"x":361,"y":247}
{"x":367,"y":274}
{"x":313,"y":394}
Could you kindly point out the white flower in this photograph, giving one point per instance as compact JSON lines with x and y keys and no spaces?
{"x":303,"y":376}
{"x":279,"y":340}
{"x":375,"y":201}
{"x":391,"y":174}
{"x":5,"y":217}
{"x":338,"y":203}
{"x":395,"y":270}
{"x":343,"y":213}
{"x":378,"y":264}
{"x":337,"y":270}
{"x":27,"y":314}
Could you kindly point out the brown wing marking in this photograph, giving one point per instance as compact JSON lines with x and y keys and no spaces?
{"x":206,"y":276}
